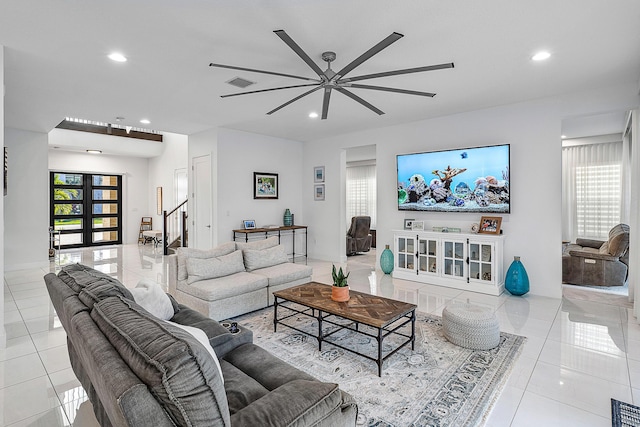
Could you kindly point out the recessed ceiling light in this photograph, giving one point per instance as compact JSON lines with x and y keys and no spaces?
{"x":145,"y":121}
{"x":563,"y":136}
{"x":94,"y":151}
{"x":118,"y":57}
{"x":541,"y":56}
{"x":313,"y":115}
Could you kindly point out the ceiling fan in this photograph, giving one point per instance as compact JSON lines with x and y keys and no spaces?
{"x":329,"y":79}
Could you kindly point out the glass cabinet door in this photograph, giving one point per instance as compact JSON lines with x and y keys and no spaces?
{"x":453,"y":257}
{"x":480,"y":261}
{"x":427,"y":255}
{"x":405,"y":258}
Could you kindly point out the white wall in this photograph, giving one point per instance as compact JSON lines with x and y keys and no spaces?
{"x":135,"y":182}
{"x":162,"y":171}
{"x":26,"y":214}
{"x":533,"y":129}
{"x":240,"y":154}
{"x":3,"y":333}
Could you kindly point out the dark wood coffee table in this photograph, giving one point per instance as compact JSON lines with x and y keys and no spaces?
{"x":385,"y":315}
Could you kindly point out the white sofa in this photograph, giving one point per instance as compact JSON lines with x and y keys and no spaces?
{"x":233,"y":278}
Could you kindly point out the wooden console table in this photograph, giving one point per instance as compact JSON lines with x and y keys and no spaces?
{"x":279,"y":231}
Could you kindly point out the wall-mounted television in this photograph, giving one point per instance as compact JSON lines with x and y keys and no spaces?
{"x":462,"y":180}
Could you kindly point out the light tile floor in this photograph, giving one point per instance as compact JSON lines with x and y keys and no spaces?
{"x":578,"y":355}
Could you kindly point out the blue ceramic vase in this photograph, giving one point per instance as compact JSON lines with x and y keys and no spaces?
{"x":287,"y":220}
{"x":386,"y":260}
{"x":517,"y":280}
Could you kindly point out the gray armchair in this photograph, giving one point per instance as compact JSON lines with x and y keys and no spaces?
{"x":358,"y":236}
{"x":596,"y":262}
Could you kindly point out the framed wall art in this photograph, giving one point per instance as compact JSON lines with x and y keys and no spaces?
{"x":318,"y":192}
{"x":265,"y":185}
{"x":249,"y":224}
{"x":318,"y":174}
{"x":417,"y":225}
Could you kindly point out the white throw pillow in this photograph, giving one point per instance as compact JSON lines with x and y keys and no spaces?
{"x":256,"y":259}
{"x":150,"y":296}
{"x":202,"y":338}
{"x":186,"y":253}
{"x":210,"y":268}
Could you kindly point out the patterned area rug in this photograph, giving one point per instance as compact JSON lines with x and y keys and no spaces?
{"x":439,"y":384}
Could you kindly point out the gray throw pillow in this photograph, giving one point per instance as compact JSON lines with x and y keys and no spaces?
{"x":259,"y":244}
{"x":256,"y":259}
{"x":210,"y":268}
{"x":186,"y":253}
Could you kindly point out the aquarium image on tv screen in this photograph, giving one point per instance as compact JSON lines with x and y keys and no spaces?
{"x":463,"y":180}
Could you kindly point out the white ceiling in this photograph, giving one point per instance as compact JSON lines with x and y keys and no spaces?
{"x":56,"y":58}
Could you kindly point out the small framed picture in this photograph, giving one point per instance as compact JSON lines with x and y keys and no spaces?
{"x":408,"y":223}
{"x":417,"y":225}
{"x":249,"y":224}
{"x":265,"y":185}
{"x":318,"y":192}
{"x":490,"y":224}
{"x":318,"y":174}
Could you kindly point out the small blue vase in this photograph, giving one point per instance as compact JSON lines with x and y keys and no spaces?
{"x":517,"y":280}
{"x":287,"y":219}
{"x":386,"y":260}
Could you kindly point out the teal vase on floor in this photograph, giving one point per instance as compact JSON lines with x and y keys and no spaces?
{"x":517,"y":280}
{"x":287,"y":220}
{"x":386,"y":260}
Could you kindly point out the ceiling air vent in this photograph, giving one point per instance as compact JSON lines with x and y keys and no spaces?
{"x":240,"y":82}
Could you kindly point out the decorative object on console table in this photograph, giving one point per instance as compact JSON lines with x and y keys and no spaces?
{"x":340,"y":288}
{"x":517,"y":280}
{"x":386,"y":260}
{"x":249,"y":224}
{"x":265,"y":185}
{"x":475,"y":227}
{"x":490,"y":224}
{"x":417,"y":225}
{"x":287,"y":220}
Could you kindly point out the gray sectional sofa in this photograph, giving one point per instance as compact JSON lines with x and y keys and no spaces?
{"x":140,"y":370}
{"x":233,"y":278}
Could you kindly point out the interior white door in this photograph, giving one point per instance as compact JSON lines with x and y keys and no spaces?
{"x":202,"y":235}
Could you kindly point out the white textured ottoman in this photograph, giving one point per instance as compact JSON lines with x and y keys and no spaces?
{"x":471,"y":326}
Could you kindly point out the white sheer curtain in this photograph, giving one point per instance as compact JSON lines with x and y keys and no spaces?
{"x":592,"y":190}
{"x":361,"y":192}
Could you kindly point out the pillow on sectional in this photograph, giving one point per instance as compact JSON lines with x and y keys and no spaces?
{"x":177,"y":369}
{"x":185,"y":253}
{"x":202,"y":338}
{"x":95,"y":292}
{"x":259,"y":244}
{"x":77,"y":276}
{"x":210,"y":268}
{"x":150,"y":296}
{"x":256,"y":259}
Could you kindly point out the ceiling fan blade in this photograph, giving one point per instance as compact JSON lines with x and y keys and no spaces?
{"x":294,"y":99}
{"x":301,"y":53}
{"x":325,"y":102}
{"x":391,"y":89}
{"x":368,"y":54}
{"x":360,"y":100}
{"x":267,"y":90}
{"x":252,"y":70}
{"x":398,"y":72}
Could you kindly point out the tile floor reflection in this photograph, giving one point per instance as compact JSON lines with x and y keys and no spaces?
{"x":579,"y":353}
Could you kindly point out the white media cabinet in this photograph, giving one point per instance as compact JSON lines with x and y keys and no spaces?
{"x":471,"y":262}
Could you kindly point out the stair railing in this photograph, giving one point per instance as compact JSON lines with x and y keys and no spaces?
{"x":174,"y":229}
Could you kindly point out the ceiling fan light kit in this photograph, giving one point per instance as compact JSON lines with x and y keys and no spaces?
{"x":329,"y":79}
